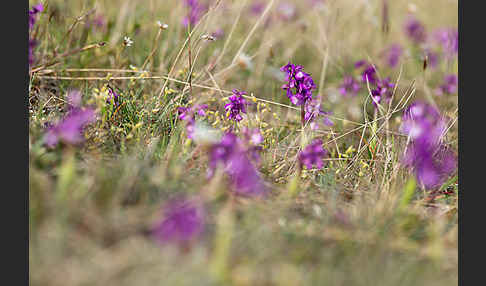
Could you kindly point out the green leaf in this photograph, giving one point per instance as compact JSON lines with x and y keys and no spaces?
{"x":408,"y":193}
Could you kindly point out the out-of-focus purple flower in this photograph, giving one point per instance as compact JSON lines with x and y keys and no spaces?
{"x":350,"y":86}
{"x":299,"y":84}
{"x":370,"y":74}
{"x":236,"y":105}
{"x":231,"y":154}
{"x":70,"y":129}
{"x":183,"y":221}
{"x":253,"y":138}
{"x":221,"y":152}
{"x":97,"y":23}
{"x":360,"y":63}
{"x":432,"y":58}
{"x":36,"y":9}
{"x":313,"y":110}
{"x":74,"y":99}
{"x":32,"y":45}
{"x":383,"y":90}
{"x":449,"y":39}
{"x":313,"y":154}
{"x":449,"y":86}
{"x":185,"y":113}
{"x":393,"y":55}
{"x":376,"y":97}
{"x":196,"y":10}
{"x":245,"y":177}
{"x":257,"y":7}
{"x":415,"y":30}
{"x":287,"y":11}
{"x":218,"y":33}
{"x":423,"y":122}
{"x":201,"y":109}
{"x":431,"y":160}
{"x":432,"y":166}
{"x":188,"y":114}
{"x":314,"y":3}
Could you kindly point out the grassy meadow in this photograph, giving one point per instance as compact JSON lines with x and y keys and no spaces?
{"x":99,"y":193}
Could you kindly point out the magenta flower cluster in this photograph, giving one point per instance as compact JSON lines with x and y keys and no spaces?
{"x":299,"y":84}
{"x":383,"y":90}
{"x":113,"y":98}
{"x":36,"y":9}
{"x":70,"y":129}
{"x":188,"y":114}
{"x":33,"y":13}
{"x":236,"y":105}
{"x":196,"y":10}
{"x":231,"y":154}
{"x":432,"y":161}
{"x":449,"y":39}
{"x":380,"y":88}
{"x":313,"y":154}
{"x":350,"y":86}
{"x":183,"y":221}
{"x":415,"y":30}
{"x":393,"y":54}
{"x":313,"y":111}
{"x":449,"y":86}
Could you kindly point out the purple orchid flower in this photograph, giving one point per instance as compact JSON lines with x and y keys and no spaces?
{"x":350,"y":86}
{"x":257,"y":7}
{"x":196,"y":10}
{"x":188,"y":114}
{"x":33,"y":13}
{"x":313,"y":110}
{"x":383,"y":90}
{"x":393,"y":54}
{"x":430,"y":159}
{"x":415,"y":30}
{"x":449,"y":39}
{"x":36,"y":9}
{"x":70,"y":129}
{"x":449,"y":86}
{"x":236,"y":105}
{"x":313,"y":154}
{"x":369,"y":74}
{"x":183,"y":221}
{"x":233,"y":157}
{"x":299,"y":84}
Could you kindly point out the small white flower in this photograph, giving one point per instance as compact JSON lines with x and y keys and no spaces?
{"x":204,"y":134}
{"x":127,"y":41}
{"x":208,"y":37}
{"x":162,"y":26}
{"x":245,"y":61}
